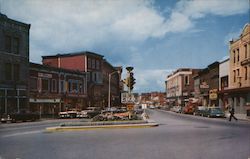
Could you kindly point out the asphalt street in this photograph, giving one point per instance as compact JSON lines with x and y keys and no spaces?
{"x":178,"y":136}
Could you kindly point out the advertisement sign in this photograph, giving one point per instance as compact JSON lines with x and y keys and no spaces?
{"x":213,"y":94}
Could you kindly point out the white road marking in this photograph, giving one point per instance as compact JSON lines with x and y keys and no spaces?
{"x":22,"y":133}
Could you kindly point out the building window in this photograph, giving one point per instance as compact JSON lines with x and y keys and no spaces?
{"x":234,"y":75}
{"x":234,"y":55}
{"x":246,"y":73}
{"x":238,"y":72}
{"x":7,"y":43}
{"x":186,"y":80}
{"x":93,"y":63}
{"x":62,"y":86}
{"x":54,"y":85}
{"x":97,"y":64}
{"x":238,"y":55}
{"x":45,"y":85}
{"x":89,"y":63}
{"x":245,"y":46}
{"x":16,"y":70}
{"x":8,"y":71}
{"x":16,"y":45}
{"x":33,"y":83}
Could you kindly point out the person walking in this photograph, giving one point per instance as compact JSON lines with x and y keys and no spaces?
{"x":232,"y":114}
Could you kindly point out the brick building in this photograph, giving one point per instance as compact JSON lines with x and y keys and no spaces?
{"x":14,"y":65}
{"x":55,"y":89}
{"x":180,"y":86}
{"x":96,"y":67}
{"x":207,"y":84}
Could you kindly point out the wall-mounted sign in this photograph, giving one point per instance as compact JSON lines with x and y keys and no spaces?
{"x":213,"y":95}
{"x":45,"y":75}
{"x":204,"y":85}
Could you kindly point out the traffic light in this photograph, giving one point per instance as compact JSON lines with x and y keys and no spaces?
{"x":131,"y":81}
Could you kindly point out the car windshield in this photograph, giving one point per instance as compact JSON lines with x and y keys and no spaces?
{"x":216,"y":110}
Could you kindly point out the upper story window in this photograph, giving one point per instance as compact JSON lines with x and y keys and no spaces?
{"x":93,"y":63}
{"x":186,"y":80}
{"x":97,"y":64}
{"x":234,"y":75}
{"x":12,"y":44}
{"x":8,"y":71}
{"x":54,"y":85}
{"x":246,"y":73}
{"x":45,"y":85}
{"x":33,"y":83}
{"x":238,"y":55}
{"x":234,"y":55}
{"x":16,"y":45}
{"x":89,"y":63}
{"x":16,"y":72}
{"x":245,"y":47}
{"x":7,"y":43}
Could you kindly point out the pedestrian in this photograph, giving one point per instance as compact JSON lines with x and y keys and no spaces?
{"x":232,"y":114}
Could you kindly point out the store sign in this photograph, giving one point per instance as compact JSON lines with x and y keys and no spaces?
{"x":213,"y":95}
{"x":204,"y":85}
{"x":45,"y":75}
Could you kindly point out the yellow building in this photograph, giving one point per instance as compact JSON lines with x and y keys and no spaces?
{"x":239,"y":73}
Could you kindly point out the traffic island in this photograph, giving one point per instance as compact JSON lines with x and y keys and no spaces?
{"x":75,"y":126}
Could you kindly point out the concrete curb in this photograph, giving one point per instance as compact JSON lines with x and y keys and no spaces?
{"x":80,"y":128}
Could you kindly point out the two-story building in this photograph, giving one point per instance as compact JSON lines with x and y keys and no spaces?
{"x":56,"y":89}
{"x":14,"y":65}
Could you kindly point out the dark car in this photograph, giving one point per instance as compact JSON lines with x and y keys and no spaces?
{"x":214,"y":112}
{"x":200,"y":110}
{"x":22,"y":115}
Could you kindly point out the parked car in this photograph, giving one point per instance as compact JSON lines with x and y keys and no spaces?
{"x":22,"y":115}
{"x":199,"y":110}
{"x":177,"y":109}
{"x":214,"y":112}
{"x":72,"y":113}
{"x":90,"y":112}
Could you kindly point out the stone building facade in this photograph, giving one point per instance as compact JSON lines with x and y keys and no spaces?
{"x":239,"y":73}
{"x":14,"y":65}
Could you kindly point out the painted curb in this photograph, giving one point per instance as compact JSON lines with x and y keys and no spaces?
{"x":80,"y":128}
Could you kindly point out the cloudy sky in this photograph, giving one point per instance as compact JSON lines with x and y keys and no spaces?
{"x":154,"y":36}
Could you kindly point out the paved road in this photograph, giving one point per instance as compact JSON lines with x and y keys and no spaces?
{"x":177,"y":137}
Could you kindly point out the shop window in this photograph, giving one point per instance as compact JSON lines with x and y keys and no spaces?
{"x":22,"y":93}
{"x":8,"y":71}
{"x":2,"y":92}
{"x":11,"y":93}
{"x":16,"y":70}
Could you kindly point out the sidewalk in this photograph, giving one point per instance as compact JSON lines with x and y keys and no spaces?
{"x":239,"y":116}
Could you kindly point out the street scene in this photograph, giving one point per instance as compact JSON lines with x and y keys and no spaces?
{"x":116,"y":79}
{"x":177,"y":136}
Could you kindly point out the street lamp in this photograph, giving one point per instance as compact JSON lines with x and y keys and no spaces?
{"x":110,"y":74}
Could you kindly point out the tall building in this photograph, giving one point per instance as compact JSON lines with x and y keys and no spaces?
{"x":14,"y":65}
{"x":239,"y":72}
{"x":180,"y":86}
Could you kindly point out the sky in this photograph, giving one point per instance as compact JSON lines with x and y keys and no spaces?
{"x":156,"y":37}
